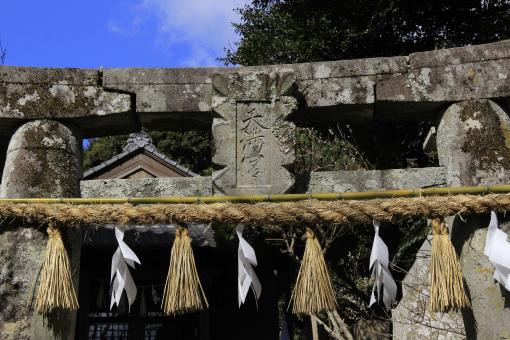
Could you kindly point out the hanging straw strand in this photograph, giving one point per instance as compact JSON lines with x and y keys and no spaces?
{"x":183,"y":291}
{"x":446,"y":279}
{"x":56,"y":289}
{"x":313,"y":291}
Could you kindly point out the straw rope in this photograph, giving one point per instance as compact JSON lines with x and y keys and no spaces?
{"x":337,"y":212}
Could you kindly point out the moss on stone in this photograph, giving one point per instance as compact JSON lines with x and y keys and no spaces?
{"x":489,"y":144}
{"x":46,"y":171}
{"x":36,"y":168}
{"x":47,"y":105}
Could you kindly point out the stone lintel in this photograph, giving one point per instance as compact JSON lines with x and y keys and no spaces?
{"x":43,"y":75}
{"x":147,"y":187}
{"x":115,"y":77}
{"x":460,"y":55}
{"x":399,"y":88}
{"x":366,"y":180}
{"x":88,"y":107}
{"x":444,"y":84}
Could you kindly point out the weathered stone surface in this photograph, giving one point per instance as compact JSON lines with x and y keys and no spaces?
{"x":20,"y":253}
{"x":357,"y":67}
{"x":59,"y":101}
{"x":43,"y":160}
{"x":490,"y":316}
{"x":365,"y":180}
{"x":473,"y":144}
{"x":147,"y":187}
{"x":167,"y":106}
{"x":324,"y":85}
{"x":411,"y":318}
{"x":37,"y":75}
{"x":167,"y":98}
{"x":203,"y":75}
{"x":60,"y":95}
{"x":372,"y":329}
{"x":324,"y":96}
{"x":450,"y":83}
{"x":408,"y":88}
{"x":252,"y":138}
{"x":117,"y":77}
{"x":335,"y":91}
{"x":461,"y":55}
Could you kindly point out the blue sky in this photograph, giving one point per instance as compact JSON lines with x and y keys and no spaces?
{"x":94,"y":33}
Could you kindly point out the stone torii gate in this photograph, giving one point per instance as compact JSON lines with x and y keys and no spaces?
{"x":252,"y":111}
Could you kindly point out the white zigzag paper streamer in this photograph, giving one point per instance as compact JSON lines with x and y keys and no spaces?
{"x":246,"y":277}
{"x":497,"y":248}
{"x":384,"y":282}
{"x":120,"y":277}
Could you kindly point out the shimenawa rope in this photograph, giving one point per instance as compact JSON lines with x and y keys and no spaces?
{"x":348,"y":212}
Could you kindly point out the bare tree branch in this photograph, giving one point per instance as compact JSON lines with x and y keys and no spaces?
{"x":340,"y":322}
{"x":315,"y":331}
{"x":3,"y":52}
{"x":333,"y":333}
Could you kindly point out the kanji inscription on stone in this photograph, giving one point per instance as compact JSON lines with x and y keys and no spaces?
{"x":253,"y":140}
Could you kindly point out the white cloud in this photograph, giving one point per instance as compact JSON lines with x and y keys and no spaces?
{"x":115,"y":28}
{"x":202,"y":27}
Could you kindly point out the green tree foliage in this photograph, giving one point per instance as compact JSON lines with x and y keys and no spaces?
{"x":290,"y":31}
{"x":102,"y":149}
{"x":330,"y":149}
{"x":188,"y":148}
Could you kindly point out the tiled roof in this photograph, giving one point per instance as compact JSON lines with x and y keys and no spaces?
{"x":138,"y":142}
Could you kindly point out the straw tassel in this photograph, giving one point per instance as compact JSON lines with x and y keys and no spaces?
{"x":313,"y":291}
{"x":446,"y":283}
{"x":183,"y":291}
{"x":56,"y":289}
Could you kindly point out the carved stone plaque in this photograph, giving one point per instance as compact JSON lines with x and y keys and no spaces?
{"x":253,"y":141}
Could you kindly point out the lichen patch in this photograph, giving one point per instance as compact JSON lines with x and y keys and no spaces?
{"x":28,"y":98}
{"x":487,"y":136}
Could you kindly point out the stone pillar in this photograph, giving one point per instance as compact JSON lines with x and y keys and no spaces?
{"x":253,"y":141}
{"x":473,"y":143}
{"x":43,"y":160}
{"x":411,"y":318}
